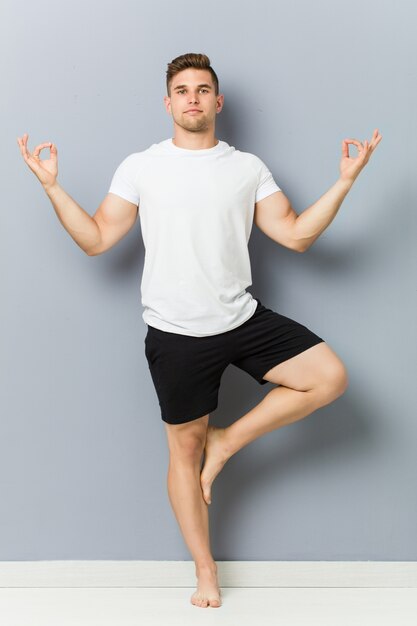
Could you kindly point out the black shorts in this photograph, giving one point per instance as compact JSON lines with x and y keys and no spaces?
{"x":186,"y":370}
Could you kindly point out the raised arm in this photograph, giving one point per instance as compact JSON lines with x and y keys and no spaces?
{"x":94,"y":235}
{"x":275,"y":216}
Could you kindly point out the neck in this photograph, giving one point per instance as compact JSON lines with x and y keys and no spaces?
{"x":194,"y":140}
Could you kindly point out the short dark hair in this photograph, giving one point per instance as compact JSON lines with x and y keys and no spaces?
{"x":191,"y":59}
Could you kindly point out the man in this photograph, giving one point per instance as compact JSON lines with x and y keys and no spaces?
{"x":198,"y":197}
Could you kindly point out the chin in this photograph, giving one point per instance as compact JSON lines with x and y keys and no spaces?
{"x":192,"y":127}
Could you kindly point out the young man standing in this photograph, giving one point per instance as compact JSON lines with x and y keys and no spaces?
{"x":198,"y":199}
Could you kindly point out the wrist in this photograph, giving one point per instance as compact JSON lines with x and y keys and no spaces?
{"x":50,"y":187}
{"x":345,"y":183}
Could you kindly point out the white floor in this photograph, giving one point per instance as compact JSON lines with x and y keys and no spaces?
{"x":241,"y":607}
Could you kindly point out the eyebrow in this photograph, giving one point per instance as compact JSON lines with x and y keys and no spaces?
{"x":200,"y":85}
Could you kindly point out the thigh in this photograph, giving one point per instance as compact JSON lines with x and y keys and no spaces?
{"x":186,"y":373}
{"x":316,"y":366}
{"x":272,"y":347}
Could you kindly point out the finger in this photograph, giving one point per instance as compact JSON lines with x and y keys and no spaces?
{"x":377,"y":142}
{"x":20,"y":142}
{"x":345,"y":148}
{"x":25,"y":152}
{"x":376,"y":138}
{"x":33,"y":163}
{"x":23,"y":146}
{"x":354,"y":142}
{"x":357,"y":144}
{"x":39,"y":148}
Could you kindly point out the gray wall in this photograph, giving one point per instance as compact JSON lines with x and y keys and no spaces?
{"x":83,"y":452}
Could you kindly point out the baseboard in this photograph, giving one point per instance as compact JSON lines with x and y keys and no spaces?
{"x":230,"y":573}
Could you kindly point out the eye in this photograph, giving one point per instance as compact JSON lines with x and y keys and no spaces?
{"x":202,"y":89}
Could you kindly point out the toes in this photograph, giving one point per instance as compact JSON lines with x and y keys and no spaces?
{"x":205,"y":602}
{"x":197,"y":601}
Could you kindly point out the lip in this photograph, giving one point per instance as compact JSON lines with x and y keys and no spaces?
{"x":193,"y":111}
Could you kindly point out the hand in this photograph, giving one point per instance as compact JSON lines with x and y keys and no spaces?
{"x":351,"y":167}
{"x":47,"y":170}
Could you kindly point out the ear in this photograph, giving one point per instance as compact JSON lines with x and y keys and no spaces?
{"x":167,"y":102}
{"x":219,"y":103}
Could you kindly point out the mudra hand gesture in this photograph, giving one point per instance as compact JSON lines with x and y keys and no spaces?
{"x":350,"y":167}
{"x":46,"y":170}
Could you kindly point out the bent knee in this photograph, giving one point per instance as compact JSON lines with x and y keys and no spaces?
{"x":334,"y":382}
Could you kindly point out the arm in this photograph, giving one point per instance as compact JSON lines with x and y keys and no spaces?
{"x":314,"y":220}
{"x":275,"y":216}
{"x":114,"y":218}
{"x":81,"y":226}
{"x":94,"y":235}
{"x":277,"y":219}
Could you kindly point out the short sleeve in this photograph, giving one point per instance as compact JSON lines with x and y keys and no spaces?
{"x":266,"y":182}
{"x":123,"y":183}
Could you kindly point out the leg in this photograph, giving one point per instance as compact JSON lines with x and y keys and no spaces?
{"x":186,"y":444}
{"x":308,"y":381}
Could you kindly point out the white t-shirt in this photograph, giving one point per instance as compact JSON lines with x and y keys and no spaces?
{"x":196,"y":213}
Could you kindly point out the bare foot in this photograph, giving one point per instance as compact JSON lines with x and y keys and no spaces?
{"x":216,"y":454}
{"x":208,"y":592}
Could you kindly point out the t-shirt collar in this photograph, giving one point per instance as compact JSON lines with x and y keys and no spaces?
{"x":171,"y":147}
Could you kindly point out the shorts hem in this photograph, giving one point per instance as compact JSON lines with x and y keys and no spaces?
{"x":261,"y":380}
{"x":191,"y":417}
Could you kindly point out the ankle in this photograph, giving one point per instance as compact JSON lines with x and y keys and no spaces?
{"x":205,"y":566}
{"x":228,"y":444}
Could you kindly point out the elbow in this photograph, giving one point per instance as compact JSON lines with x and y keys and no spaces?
{"x":92,"y":252}
{"x":95,"y":250}
{"x":299,"y":246}
{"x":97,"y":247}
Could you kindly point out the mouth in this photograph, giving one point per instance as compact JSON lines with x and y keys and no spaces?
{"x":193,"y":111}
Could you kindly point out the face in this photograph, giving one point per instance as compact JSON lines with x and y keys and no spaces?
{"x":193,"y":89}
